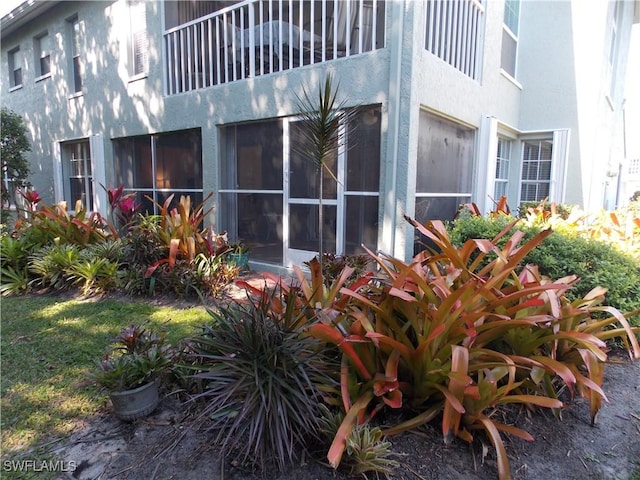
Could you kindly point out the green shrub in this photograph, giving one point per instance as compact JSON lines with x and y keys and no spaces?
{"x":544,"y":208}
{"x":594,"y":262}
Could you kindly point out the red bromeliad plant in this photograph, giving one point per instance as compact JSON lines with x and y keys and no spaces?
{"x":450,"y":334}
{"x":55,"y":223}
{"x":180,"y":230}
{"x":123,"y":206}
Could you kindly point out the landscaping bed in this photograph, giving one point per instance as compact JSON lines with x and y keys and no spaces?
{"x":164,"y":446}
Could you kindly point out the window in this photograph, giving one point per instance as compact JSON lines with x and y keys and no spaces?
{"x":536,"y":170}
{"x":510,"y":36}
{"x":77,"y":174}
{"x":160,"y":165}
{"x":503,"y":159}
{"x":269,"y":190}
{"x":454,"y":33}
{"x":15,"y":68}
{"x":42,"y":52}
{"x":139,"y":37}
{"x":74,"y":37}
{"x":444,"y":168}
{"x":251,"y":197}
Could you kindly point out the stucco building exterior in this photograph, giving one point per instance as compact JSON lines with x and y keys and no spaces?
{"x":458,"y":101}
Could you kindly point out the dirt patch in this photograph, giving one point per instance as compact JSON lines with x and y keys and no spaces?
{"x":163,"y":446}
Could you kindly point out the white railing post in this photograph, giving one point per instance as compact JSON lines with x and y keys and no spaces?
{"x":252,"y":42}
{"x":360,"y":24}
{"x":234,"y":47}
{"x":181,"y":87}
{"x":291,"y":62}
{"x":211,"y":47}
{"x":218,"y":64}
{"x":374,"y":25}
{"x":301,"y":22}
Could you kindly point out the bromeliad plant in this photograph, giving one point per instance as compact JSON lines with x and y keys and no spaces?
{"x":136,"y":357}
{"x":451,"y":336}
{"x":54,"y":223}
{"x":180,"y":232}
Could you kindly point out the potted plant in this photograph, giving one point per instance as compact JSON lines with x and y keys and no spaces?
{"x":239,"y":255}
{"x":130,"y":371}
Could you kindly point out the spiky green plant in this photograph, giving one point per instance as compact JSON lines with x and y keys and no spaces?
{"x":50,"y":265}
{"x":258,"y":374}
{"x":13,"y":281}
{"x":94,"y":275}
{"x":325,"y":118}
{"x":367,"y":449}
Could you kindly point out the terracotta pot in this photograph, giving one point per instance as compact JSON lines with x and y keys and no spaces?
{"x":137,"y":403}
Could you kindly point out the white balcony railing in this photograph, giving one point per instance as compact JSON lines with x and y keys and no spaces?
{"x":454,"y":33}
{"x":258,"y":37}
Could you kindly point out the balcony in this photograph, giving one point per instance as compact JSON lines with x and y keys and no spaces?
{"x":212,"y":43}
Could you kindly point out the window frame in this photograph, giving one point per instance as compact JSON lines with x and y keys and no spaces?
{"x":69,"y":149}
{"x":14,"y":57}
{"x":461,"y":196}
{"x":38,"y":56}
{"x":505,"y":160}
{"x":537,"y":181}
{"x":75,"y":65}
{"x":511,"y":34}
{"x":138,"y":26}
{"x":353,"y":192}
{"x":154,"y":191}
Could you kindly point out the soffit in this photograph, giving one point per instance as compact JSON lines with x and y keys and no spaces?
{"x":23,"y":14}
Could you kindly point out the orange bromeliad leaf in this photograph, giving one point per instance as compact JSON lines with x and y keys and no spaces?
{"x":458,"y":382}
{"x":330,"y":334}
{"x":340,"y":440}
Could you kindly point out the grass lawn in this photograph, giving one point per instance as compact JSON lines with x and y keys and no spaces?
{"x":47,"y":346}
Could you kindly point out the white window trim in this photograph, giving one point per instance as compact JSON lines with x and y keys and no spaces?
{"x":490,"y":128}
{"x":516,"y":38}
{"x":99,"y":174}
{"x":98,"y":169}
{"x":559,"y":165}
{"x":134,"y":6}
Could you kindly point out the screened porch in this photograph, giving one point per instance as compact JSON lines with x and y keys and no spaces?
{"x":208,"y":43}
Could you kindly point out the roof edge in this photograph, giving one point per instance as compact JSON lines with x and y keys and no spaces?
{"x":22,"y":14}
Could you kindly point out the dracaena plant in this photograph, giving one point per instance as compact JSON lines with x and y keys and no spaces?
{"x":452,"y":334}
{"x":259,"y":375}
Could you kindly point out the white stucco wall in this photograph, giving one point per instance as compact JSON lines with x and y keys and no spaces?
{"x":559,"y":85}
